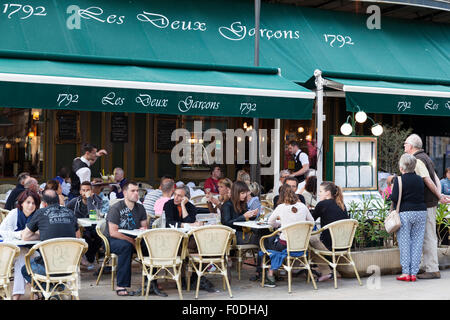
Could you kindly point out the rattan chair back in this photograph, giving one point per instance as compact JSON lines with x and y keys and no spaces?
{"x":4,"y":188}
{"x":7,"y":254}
{"x":62,"y":255}
{"x":212,"y":240}
{"x":297,"y":235}
{"x":342,"y":233}
{"x":162,"y":244}
{"x":100,"y":228}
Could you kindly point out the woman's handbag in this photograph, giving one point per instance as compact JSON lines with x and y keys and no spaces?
{"x":392,"y":222}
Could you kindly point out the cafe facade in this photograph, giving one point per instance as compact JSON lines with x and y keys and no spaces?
{"x":125,"y":75}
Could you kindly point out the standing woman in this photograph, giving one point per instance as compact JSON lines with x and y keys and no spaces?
{"x":16,"y":220}
{"x":329,"y":209}
{"x":413,"y":216}
{"x":215,"y":204}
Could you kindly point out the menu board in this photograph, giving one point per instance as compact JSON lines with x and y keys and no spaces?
{"x":67,"y":127}
{"x":163,"y":128}
{"x":119,"y":128}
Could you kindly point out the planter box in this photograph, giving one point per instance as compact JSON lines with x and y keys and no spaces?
{"x":444,"y":257}
{"x":388,"y":260}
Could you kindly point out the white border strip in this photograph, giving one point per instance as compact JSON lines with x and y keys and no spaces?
{"x":91,"y":82}
{"x":408,"y":92}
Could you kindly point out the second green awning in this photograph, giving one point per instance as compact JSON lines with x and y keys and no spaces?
{"x":227,"y":91}
{"x":394,"y":98}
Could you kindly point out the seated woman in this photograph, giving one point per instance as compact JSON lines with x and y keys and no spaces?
{"x":253,"y":201}
{"x":289,"y":211}
{"x":309,"y":192}
{"x":329,"y":209}
{"x":16,"y":220}
{"x":215,"y":204}
{"x":54,"y":185}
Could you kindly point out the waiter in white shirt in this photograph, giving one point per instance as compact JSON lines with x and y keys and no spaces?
{"x":81,"y":168}
{"x":301,"y":163}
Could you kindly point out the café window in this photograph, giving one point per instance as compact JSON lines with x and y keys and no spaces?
{"x":21,"y":142}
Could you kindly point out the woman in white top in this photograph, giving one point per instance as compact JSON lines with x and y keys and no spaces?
{"x":289,"y":211}
{"x":16,"y":220}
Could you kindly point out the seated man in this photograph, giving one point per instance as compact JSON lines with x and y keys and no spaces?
{"x":167,"y":189}
{"x":153,"y":195}
{"x":97,"y":188}
{"x":117,"y":189}
{"x":212,"y":183}
{"x":12,"y":198}
{"x":130,"y":215}
{"x":52,"y":221}
{"x":81,"y":206}
{"x":291,"y":181}
{"x":179,"y":211}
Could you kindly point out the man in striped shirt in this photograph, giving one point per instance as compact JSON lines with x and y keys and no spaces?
{"x":153,"y":195}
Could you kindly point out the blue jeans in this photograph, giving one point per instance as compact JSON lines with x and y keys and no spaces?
{"x":36,"y":267}
{"x":410,"y":240}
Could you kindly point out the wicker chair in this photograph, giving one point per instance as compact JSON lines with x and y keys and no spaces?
{"x":213,"y":243}
{"x":8,"y":252}
{"x":4,"y":188}
{"x":242,"y":250}
{"x":342,"y":233}
{"x":163,"y":261}
{"x":267,"y":203}
{"x":145,"y":185}
{"x":297,"y":239}
{"x":110,"y":259}
{"x":62,"y":258}
{"x":198,"y":200}
{"x":3,"y":214}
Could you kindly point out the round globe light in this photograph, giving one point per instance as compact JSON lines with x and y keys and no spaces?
{"x":377,"y":130}
{"x":346,"y":129}
{"x":361,"y":117}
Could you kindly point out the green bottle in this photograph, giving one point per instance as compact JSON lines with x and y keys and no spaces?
{"x":92,"y":214}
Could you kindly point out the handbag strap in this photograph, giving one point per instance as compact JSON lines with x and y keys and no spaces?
{"x":399,"y":193}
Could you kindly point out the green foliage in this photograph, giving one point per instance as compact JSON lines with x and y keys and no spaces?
{"x":442,"y":222}
{"x":370,"y":214}
{"x":391,"y":147}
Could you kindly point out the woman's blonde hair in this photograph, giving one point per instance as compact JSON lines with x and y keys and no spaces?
{"x":242,"y":175}
{"x":228,"y":184}
{"x":336,"y":193}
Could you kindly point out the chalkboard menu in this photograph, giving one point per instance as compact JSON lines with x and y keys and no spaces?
{"x":68,"y":125}
{"x":163,"y":128}
{"x":119,"y":128}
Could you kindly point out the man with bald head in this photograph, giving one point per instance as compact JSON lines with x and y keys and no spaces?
{"x":119,"y":178}
{"x":32,"y":184}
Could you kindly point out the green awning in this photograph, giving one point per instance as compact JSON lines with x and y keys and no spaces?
{"x":394,"y":98}
{"x":194,"y":90}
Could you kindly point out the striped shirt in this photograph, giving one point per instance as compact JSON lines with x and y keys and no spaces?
{"x":150,"y":199}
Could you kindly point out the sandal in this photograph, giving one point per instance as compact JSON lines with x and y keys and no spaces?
{"x":128,"y":293}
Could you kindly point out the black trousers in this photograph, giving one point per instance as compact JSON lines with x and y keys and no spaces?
{"x":94,"y":242}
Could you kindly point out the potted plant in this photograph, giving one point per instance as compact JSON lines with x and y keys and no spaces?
{"x":372,"y":244}
{"x":442,"y":229}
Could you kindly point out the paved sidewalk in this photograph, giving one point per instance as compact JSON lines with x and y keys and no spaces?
{"x":385,"y":287}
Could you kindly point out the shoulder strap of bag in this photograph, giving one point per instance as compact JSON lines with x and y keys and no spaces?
{"x":399,"y":193}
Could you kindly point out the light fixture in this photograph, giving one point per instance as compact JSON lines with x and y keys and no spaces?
{"x":308,"y":137}
{"x":36,"y":115}
{"x":377,"y":129}
{"x":300,"y":129}
{"x":346,"y":129}
{"x":30,"y":134}
{"x":245,"y":125}
{"x":8,"y":145}
{"x":361,"y":117}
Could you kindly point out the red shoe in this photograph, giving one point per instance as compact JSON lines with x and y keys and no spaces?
{"x":405,"y":278}
{"x":413,"y":278}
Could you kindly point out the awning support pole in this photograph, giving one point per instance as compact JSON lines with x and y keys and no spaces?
{"x":319,"y":116}
{"x":276,"y":157}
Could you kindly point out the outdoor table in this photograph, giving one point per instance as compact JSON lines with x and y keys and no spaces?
{"x":19,"y":242}
{"x":137,"y":232}
{"x":253,"y":224}
{"x":86,"y":222}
